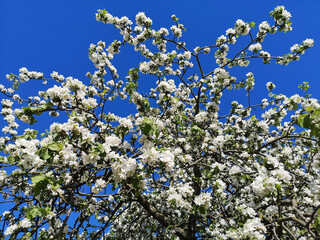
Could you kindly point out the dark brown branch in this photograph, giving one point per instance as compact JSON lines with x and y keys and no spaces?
{"x":160,"y":217}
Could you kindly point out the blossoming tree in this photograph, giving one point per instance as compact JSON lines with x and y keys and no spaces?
{"x":174,"y":169}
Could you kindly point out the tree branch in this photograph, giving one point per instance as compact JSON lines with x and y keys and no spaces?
{"x":160,"y":217}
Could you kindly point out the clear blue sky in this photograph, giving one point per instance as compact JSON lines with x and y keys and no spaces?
{"x":54,"y":35}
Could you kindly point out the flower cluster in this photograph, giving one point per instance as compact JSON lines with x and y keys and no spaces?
{"x":177,"y":167}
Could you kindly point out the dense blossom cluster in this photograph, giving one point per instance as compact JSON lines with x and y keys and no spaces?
{"x":176,"y":168}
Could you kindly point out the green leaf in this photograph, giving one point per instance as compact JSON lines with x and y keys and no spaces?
{"x":314,"y":132}
{"x":295,"y":106}
{"x":49,"y":174}
{"x":55,"y":146}
{"x":44,"y":154}
{"x":305,"y":121}
{"x":37,"y":179}
{"x":41,"y":181}
{"x":135,"y":183}
{"x":309,"y":109}
{"x":27,"y":110}
{"x":148,"y":120}
{"x":252,"y":24}
{"x":316,"y":115}
{"x":147,"y":128}
{"x":202,"y":210}
{"x":317,"y":222}
{"x":10,"y":159}
{"x":137,"y":194}
{"x":99,"y":148}
{"x":40,"y":186}
{"x":32,"y":120}
{"x":37,"y":212}
{"x":104,"y":11}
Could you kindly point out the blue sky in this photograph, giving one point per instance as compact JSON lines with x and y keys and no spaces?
{"x":54,"y":35}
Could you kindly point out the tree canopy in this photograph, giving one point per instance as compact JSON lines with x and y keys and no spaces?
{"x":176,"y":168}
